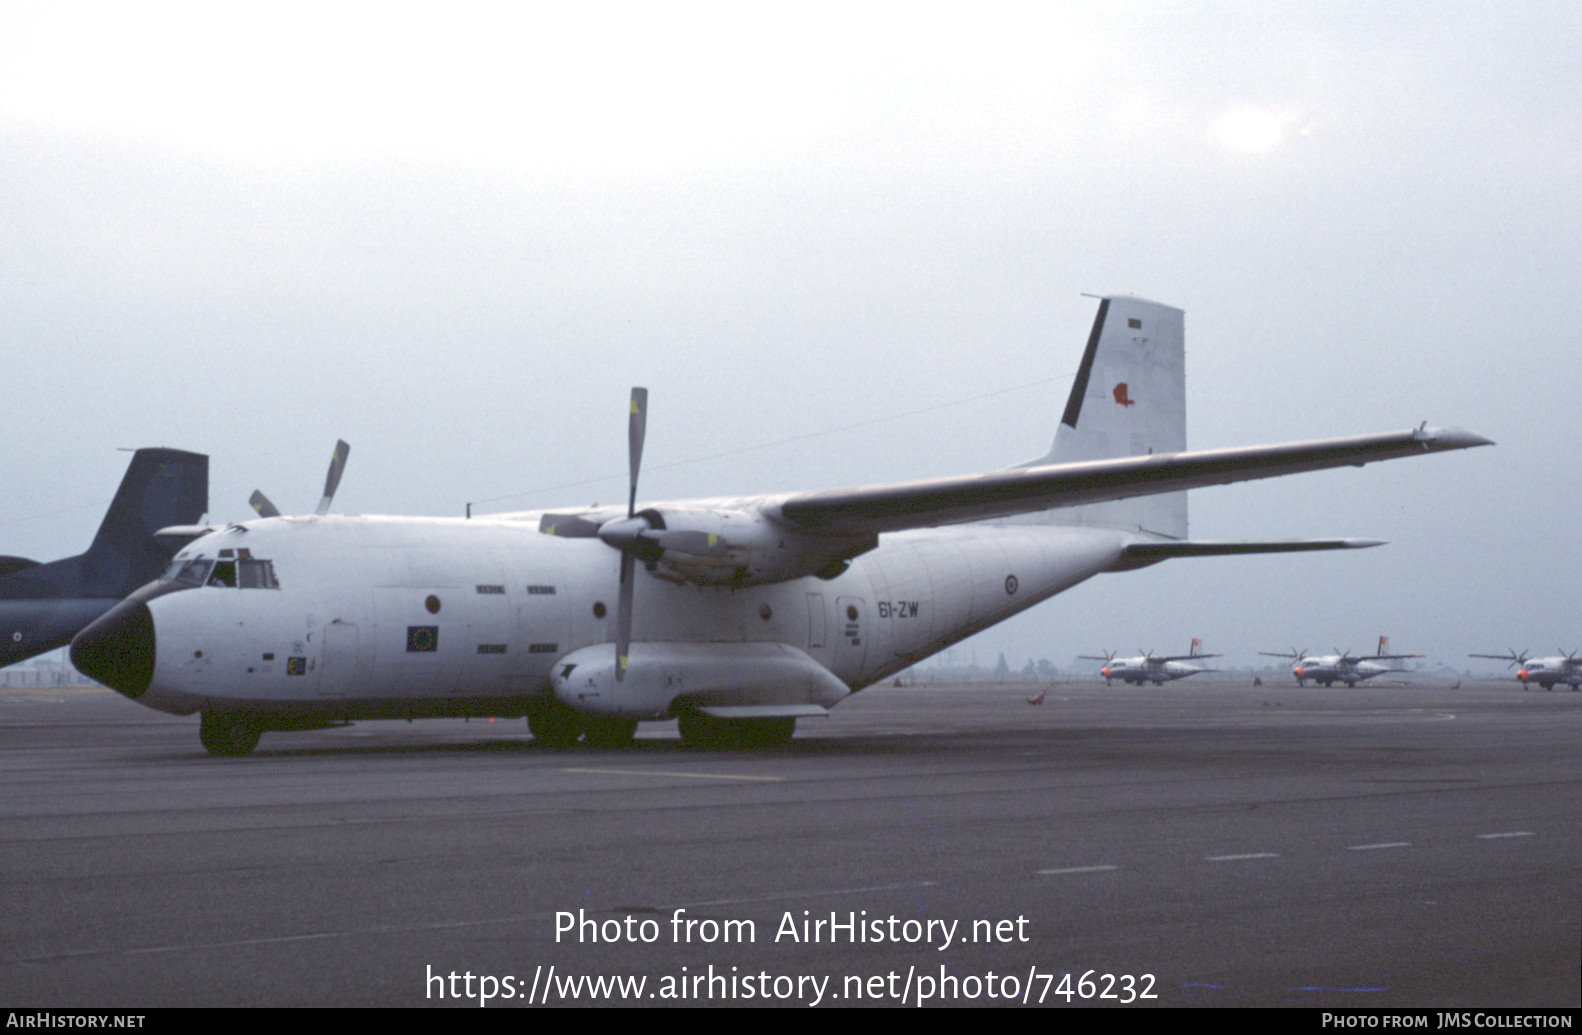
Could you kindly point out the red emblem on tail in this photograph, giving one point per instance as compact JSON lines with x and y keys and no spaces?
{"x":1121,"y":396}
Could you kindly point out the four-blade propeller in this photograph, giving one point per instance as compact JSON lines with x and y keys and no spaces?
{"x":332,"y":480}
{"x":639,"y":537}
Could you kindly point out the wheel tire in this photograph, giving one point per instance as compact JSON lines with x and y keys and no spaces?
{"x":602,"y":731}
{"x":775,"y":732}
{"x":554,"y":725}
{"x":707,"y":732}
{"x":229,"y":733}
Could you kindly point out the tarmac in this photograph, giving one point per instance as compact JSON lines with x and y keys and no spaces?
{"x":1199,"y":843}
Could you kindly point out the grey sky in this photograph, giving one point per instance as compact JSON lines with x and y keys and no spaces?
{"x":456,"y":240}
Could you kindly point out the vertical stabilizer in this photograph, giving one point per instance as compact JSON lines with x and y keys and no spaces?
{"x":162,"y":487}
{"x":1129,"y":399}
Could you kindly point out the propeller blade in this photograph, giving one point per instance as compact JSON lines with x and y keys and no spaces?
{"x":332,"y":480}
{"x":261,"y":504}
{"x":623,"y":615}
{"x":568,"y":526}
{"x":636,"y":429}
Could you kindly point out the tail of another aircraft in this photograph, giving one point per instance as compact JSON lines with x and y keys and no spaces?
{"x":1129,"y":399}
{"x":161,"y":487}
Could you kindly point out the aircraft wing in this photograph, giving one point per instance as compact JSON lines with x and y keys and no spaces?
{"x":945,"y":501}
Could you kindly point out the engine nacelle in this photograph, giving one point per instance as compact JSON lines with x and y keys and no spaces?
{"x":754,"y":549}
{"x":768,"y":678}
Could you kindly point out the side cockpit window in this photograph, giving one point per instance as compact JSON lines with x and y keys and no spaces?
{"x":254,"y":574}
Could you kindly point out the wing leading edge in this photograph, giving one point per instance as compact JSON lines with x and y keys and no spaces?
{"x":947,"y":501}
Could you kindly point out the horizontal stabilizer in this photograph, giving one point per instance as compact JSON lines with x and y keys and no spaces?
{"x":1219,"y":548}
{"x":174,"y":537}
{"x":10,"y":564}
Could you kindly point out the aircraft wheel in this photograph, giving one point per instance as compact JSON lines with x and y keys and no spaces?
{"x":706,"y":731}
{"x":601,"y":731}
{"x":703,"y":731}
{"x":554,"y":725}
{"x":775,"y":732}
{"x":229,"y":733}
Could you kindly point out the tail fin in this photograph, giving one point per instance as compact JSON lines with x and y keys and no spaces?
{"x":161,"y":487}
{"x":1129,"y":399}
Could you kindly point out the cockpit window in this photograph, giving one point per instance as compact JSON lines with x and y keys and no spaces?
{"x":193,"y":573}
{"x":244,"y":573}
{"x":256,"y":574}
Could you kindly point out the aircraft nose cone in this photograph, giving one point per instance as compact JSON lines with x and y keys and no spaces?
{"x":118,"y":649}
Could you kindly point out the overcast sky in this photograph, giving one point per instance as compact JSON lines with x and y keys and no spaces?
{"x":855,"y":238}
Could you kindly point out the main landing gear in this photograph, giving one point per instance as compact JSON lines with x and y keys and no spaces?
{"x":554,"y":725}
{"x":706,"y":731}
{"x":229,"y":733}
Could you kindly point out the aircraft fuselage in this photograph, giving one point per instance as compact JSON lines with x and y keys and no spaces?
{"x":409,"y":617}
{"x":1328,"y":671}
{"x":1137,"y":671}
{"x":1547,"y":672}
{"x":31,"y":627}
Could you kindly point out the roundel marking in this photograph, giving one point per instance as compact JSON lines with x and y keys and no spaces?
{"x":1011,"y":585}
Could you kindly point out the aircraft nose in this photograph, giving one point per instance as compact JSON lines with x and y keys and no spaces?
{"x":118,"y":648}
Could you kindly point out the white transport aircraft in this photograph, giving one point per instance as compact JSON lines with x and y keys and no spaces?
{"x":1546,"y":672}
{"x":1157,"y":669}
{"x":735,"y":616}
{"x":1328,"y":669}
